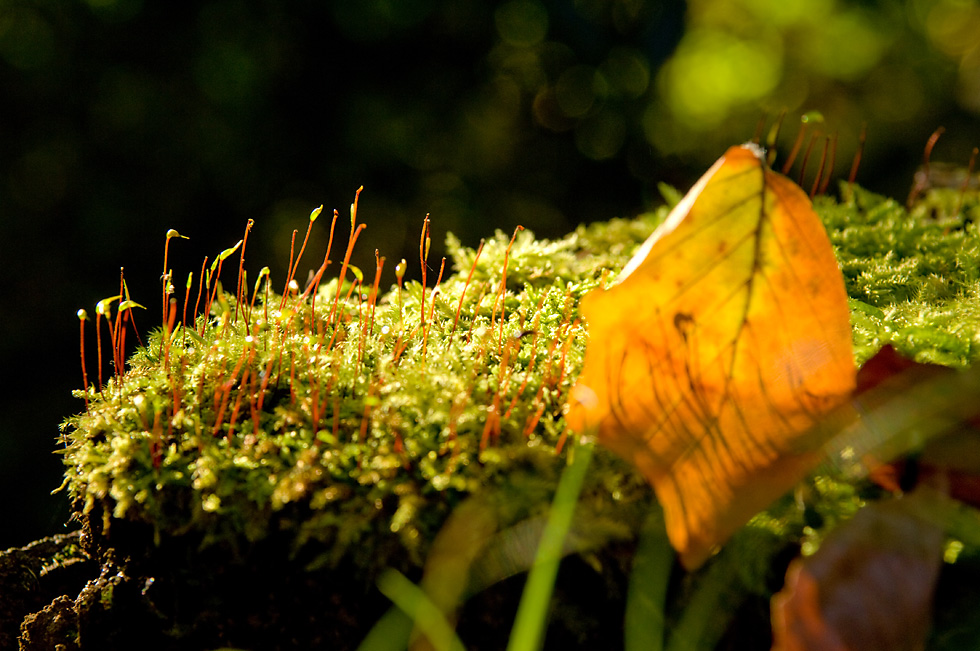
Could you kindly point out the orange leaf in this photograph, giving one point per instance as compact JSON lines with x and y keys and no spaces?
{"x":724,"y":342}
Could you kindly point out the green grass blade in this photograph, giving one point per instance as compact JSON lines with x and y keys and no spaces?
{"x":644,"y":623}
{"x":532,"y":613}
{"x":390,"y":633}
{"x":710,"y":608}
{"x":414,"y":602}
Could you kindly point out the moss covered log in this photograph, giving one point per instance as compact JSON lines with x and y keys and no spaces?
{"x":338,"y":425}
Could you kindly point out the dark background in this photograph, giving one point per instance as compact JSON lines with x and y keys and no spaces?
{"x":121,"y":119}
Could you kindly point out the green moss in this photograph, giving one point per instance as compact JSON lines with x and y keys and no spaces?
{"x":354,"y":430}
{"x":913,"y":277}
{"x":350,"y":428}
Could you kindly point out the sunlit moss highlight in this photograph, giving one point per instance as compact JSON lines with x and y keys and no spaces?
{"x":355,"y":423}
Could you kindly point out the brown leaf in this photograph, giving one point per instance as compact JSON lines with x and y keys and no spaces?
{"x":932,"y":433}
{"x":869,"y":586}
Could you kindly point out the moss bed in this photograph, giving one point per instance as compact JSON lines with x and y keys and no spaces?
{"x":252,"y":473}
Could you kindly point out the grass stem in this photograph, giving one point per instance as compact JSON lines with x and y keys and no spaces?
{"x":532,"y":613}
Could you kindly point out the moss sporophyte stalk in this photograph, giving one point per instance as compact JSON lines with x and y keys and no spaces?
{"x":340,"y":412}
{"x":352,"y":420}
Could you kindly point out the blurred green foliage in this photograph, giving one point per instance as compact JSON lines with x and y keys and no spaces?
{"x":543,"y":113}
{"x":123,"y":118}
